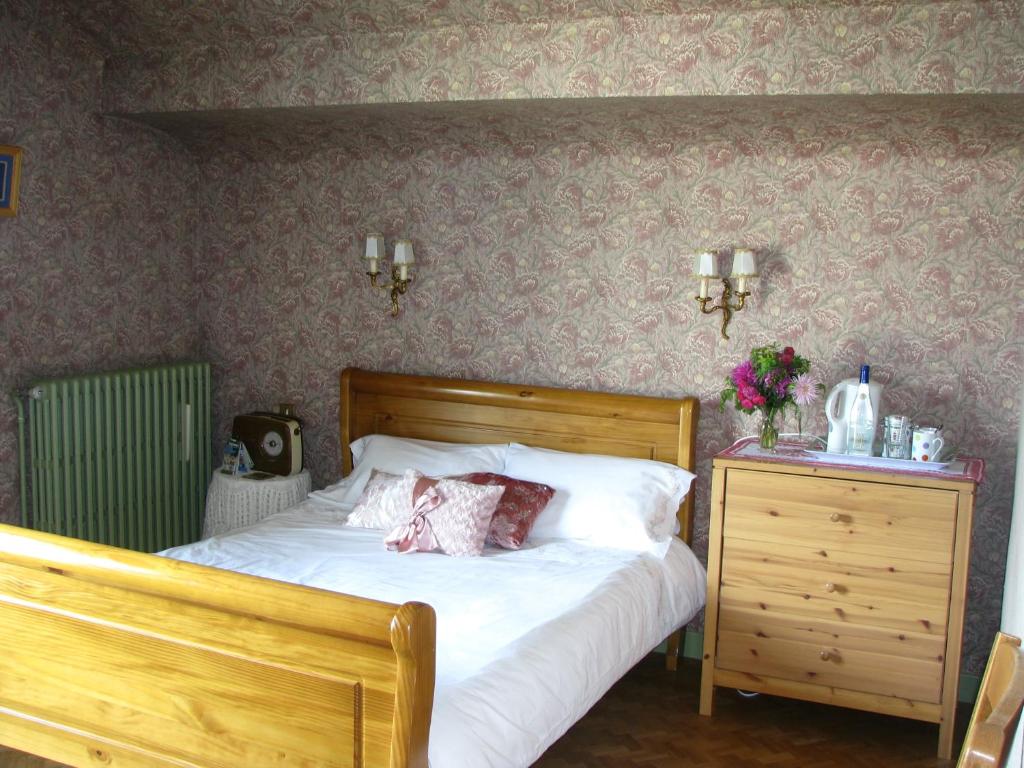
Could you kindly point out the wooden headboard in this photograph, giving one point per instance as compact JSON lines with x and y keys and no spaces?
{"x":460,"y":411}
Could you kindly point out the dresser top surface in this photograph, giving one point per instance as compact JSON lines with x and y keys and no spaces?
{"x":797,"y":455}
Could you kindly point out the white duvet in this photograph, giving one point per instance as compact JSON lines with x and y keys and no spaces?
{"x":527,"y":641}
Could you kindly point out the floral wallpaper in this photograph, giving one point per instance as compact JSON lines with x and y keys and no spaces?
{"x":95,"y":270}
{"x":871,"y":152}
{"x":307,"y":54}
{"x":555,"y":248}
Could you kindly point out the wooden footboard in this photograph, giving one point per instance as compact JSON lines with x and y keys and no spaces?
{"x":123,"y":658}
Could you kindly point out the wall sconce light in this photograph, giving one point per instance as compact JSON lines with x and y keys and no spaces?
{"x":400,"y":264}
{"x":743,"y":269}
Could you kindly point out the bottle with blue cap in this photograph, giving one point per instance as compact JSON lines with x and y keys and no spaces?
{"x":860,"y":433}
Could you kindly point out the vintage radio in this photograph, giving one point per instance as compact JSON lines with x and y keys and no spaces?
{"x":274,"y":441}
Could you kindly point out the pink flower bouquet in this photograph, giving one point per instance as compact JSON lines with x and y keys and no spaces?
{"x":769,"y":382}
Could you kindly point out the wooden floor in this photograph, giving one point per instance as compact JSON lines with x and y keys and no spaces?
{"x":649,"y":720}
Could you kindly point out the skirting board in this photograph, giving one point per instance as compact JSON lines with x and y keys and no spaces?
{"x":693,"y":648}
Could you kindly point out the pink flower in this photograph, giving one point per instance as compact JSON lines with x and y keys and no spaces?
{"x":743,"y":373}
{"x":805,"y":389}
{"x":770,"y":380}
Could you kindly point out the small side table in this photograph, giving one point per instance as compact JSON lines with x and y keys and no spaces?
{"x":233,"y":501}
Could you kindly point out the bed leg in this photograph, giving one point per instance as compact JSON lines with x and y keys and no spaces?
{"x":672,"y":651}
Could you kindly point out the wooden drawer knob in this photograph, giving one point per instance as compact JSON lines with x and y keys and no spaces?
{"x":825,"y":655}
{"x":830,"y":587}
{"x":835,"y":517}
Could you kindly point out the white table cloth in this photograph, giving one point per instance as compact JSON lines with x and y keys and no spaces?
{"x":235,"y":501}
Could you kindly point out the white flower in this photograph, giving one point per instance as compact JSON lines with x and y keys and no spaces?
{"x":805,"y":389}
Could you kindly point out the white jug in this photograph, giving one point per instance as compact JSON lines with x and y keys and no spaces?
{"x":837,"y":410}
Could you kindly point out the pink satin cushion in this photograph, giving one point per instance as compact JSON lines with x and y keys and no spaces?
{"x":520,"y":505}
{"x":459,"y":524}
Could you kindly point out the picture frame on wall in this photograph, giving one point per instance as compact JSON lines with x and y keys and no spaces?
{"x":10,"y":176}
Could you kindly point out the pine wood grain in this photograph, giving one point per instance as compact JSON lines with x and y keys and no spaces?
{"x":855,"y":636}
{"x":998,"y":709}
{"x":649,"y":720}
{"x":457,"y":410}
{"x":854,"y":515}
{"x":832,"y":665}
{"x":838,"y":586}
{"x":134,"y":659}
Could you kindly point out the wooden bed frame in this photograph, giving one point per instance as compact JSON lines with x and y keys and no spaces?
{"x":123,"y":658}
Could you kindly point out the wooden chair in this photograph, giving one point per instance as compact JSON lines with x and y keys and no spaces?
{"x":998,"y":707}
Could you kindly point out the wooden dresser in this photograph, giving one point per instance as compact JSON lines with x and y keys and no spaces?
{"x":838,"y":584}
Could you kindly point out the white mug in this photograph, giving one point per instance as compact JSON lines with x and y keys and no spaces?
{"x":928,"y":444}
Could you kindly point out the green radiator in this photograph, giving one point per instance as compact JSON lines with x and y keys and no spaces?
{"x":120,"y":458}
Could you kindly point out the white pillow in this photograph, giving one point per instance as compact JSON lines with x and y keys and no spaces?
{"x":608,"y":500}
{"x":397,"y":454}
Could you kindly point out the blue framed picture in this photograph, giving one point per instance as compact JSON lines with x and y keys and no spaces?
{"x":10,"y":175}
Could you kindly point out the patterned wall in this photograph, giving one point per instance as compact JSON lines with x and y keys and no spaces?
{"x":554,"y":249}
{"x":553,"y":237}
{"x":298,"y":54}
{"x":95,"y":271}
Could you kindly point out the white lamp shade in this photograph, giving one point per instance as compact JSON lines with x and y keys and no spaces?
{"x":374,"y":246}
{"x":707,"y":264}
{"x":403,"y":252}
{"x":743,"y":264}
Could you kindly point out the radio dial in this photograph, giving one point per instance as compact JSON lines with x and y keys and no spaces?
{"x":272,"y":444}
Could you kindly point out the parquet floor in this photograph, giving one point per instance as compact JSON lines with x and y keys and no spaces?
{"x":649,"y":720}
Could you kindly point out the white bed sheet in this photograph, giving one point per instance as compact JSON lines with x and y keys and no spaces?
{"x":527,"y":641}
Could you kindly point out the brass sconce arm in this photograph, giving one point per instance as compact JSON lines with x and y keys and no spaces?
{"x":398,"y":287}
{"x":707,"y":268}
{"x":726,"y":305}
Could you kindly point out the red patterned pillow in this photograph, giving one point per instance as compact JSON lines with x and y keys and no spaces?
{"x":517,"y":509}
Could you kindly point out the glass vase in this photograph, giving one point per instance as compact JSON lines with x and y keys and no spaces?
{"x":769,"y":431}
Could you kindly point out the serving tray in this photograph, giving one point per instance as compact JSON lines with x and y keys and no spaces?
{"x":794,"y":452}
{"x":883,"y":462}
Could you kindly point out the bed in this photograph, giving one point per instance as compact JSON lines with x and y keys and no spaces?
{"x":134,"y":659}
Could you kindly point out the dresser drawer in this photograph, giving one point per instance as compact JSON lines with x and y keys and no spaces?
{"x":907,"y":595}
{"x":767,"y":650}
{"x":841,"y":516}
{"x":745,"y":619}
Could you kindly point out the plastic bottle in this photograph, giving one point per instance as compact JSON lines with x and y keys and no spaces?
{"x":860,"y":432}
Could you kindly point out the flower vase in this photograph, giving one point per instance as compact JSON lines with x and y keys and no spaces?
{"x":769,"y":432}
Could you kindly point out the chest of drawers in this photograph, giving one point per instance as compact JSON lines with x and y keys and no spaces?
{"x":837,"y":585}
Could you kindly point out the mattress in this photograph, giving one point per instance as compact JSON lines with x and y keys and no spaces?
{"x":527,"y":641}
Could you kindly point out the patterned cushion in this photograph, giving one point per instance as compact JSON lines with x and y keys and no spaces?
{"x":517,"y":510}
{"x":382,"y":504}
{"x":457,"y":525}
